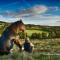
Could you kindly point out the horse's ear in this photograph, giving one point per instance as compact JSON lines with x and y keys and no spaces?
{"x":21,"y":21}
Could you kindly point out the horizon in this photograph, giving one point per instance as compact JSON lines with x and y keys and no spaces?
{"x":38,"y":12}
{"x":29,"y":23}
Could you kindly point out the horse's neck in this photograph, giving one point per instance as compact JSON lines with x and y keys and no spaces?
{"x":5,"y":35}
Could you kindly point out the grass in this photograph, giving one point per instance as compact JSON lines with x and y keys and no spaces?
{"x":29,"y":32}
{"x":27,"y":56}
{"x":43,"y":49}
{"x":46,"y":49}
{"x":47,"y":45}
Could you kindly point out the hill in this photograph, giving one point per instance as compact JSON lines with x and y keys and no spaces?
{"x":51,"y":29}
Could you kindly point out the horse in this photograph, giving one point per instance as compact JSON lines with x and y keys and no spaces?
{"x":5,"y":42}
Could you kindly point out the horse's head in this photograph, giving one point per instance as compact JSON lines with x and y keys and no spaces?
{"x":20,"y":26}
{"x":16,"y":27}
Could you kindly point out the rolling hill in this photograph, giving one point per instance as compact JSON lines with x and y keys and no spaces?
{"x":51,"y":29}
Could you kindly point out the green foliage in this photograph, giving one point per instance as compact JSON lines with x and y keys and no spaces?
{"x":34,"y":36}
{"x":22,"y":35}
{"x":39,"y":35}
{"x":44,"y":35}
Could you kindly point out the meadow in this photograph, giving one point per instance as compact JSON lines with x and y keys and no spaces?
{"x":44,"y":49}
{"x":29,"y":32}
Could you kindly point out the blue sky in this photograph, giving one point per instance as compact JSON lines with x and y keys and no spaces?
{"x":42,"y":12}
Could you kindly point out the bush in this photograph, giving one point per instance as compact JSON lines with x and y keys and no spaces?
{"x":34,"y":36}
{"x":39,"y":36}
{"x":44,"y":35}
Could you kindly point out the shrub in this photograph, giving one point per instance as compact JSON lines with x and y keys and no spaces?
{"x":44,"y":35}
{"x":34,"y":36}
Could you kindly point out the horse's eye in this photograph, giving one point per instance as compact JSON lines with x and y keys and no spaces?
{"x":22,"y":30}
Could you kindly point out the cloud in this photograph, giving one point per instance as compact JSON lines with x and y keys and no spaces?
{"x":37,"y":19}
{"x":34,"y":15}
{"x":32,"y":11}
{"x":43,"y":20}
{"x":6,"y":19}
{"x":54,"y":8}
{"x":39,"y":9}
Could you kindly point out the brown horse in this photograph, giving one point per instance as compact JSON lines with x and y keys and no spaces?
{"x":5,"y":43}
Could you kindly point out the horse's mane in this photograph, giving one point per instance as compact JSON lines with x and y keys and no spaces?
{"x":12,"y":26}
{"x":16,"y":23}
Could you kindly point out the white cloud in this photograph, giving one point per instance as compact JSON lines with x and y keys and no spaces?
{"x":43,"y":20}
{"x":6,"y":19}
{"x":37,"y":19}
{"x":34,"y":10}
{"x":34,"y":15}
{"x":53,"y":8}
{"x":39,"y":9}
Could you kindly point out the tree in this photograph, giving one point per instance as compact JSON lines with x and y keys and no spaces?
{"x":44,"y":35}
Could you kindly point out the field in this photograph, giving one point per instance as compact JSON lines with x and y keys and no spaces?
{"x":20,"y":56}
{"x":45,"y":49}
{"x":29,"y":32}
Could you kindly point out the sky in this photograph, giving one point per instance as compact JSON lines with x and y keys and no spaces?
{"x":38,"y":12}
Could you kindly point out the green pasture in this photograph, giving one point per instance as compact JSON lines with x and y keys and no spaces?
{"x":29,"y":32}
